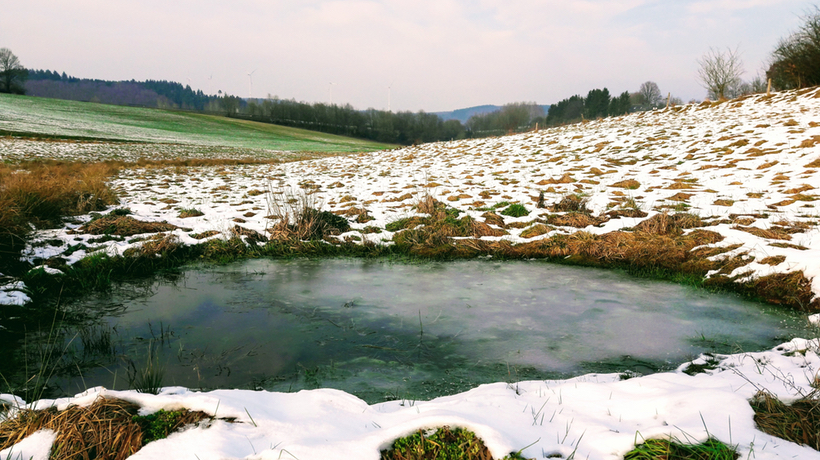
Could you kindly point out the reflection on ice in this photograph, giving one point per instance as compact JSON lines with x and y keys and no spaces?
{"x":381,"y":329}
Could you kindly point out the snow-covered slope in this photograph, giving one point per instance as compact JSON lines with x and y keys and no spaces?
{"x":748,"y":168}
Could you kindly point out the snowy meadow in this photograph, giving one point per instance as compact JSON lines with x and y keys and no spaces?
{"x":721,"y":193}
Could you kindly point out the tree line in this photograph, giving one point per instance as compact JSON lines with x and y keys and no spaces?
{"x":597,"y":104}
{"x":390,"y":127}
{"x":149,"y":93}
{"x":402,"y":128}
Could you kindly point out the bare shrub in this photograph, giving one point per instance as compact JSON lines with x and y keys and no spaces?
{"x":720,"y":72}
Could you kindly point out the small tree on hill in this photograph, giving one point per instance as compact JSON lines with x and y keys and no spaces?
{"x":650,"y":94}
{"x":720,"y":72}
{"x":12,"y":73}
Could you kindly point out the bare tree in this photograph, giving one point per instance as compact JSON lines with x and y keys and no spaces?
{"x":650,"y":94}
{"x":12,"y":73}
{"x":720,"y":72}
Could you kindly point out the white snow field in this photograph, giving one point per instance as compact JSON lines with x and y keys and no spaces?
{"x":749,"y":168}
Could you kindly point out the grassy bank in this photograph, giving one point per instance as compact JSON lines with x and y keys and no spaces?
{"x":640,"y":253}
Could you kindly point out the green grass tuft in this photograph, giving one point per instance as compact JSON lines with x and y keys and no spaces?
{"x":162,"y":423}
{"x":442,"y":444}
{"x":515,"y":210}
{"x":663,"y":449}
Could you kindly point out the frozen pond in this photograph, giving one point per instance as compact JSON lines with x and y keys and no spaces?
{"x":381,"y":329}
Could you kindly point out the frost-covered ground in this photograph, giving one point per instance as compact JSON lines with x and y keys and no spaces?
{"x":749,"y":168}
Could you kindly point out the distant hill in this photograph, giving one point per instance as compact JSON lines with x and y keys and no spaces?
{"x":463,"y":115}
{"x":149,"y":93}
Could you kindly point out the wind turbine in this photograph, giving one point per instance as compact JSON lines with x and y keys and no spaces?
{"x":388,"y":94}
{"x":250,"y":84}
{"x":209,"y":84}
{"x":330,"y":89}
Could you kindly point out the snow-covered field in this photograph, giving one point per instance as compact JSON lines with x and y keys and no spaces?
{"x":748,"y":168}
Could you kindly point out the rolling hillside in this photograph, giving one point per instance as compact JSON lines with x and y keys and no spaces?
{"x":86,"y":130}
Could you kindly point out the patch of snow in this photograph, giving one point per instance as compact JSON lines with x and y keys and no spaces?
{"x":599,"y":414}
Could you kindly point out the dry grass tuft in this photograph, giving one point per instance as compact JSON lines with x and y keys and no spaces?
{"x":773,"y":233}
{"x":41,"y":194}
{"x":575,"y":219}
{"x":362,"y":216}
{"x":124,"y":226}
{"x":298,"y":217}
{"x":679,"y":184}
{"x":625,"y":212}
{"x":186,"y":213}
{"x":789,"y":289}
{"x":536,"y":230}
{"x":480,"y":229}
{"x":493,"y":219}
{"x":571,"y":203}
{"x":798,"y":422}
{"x":630,"y":184}
{"x":669,"y":224}
{"x":252,"y":236}
{"x":789,"y":246}
{"x":773,"y":260}
{"x":105,"y":430}
{"x":44,"y":193}
{"x":158,"y":245}
{"x":565,"y":179}
{"x":203,"y":235}
{"x":680,"y":196}
{"x":810,"y":142}
{"x":428,"y":204}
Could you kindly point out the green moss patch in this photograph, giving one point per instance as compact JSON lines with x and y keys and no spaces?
{"x":441,"y":444}
{"x":662,"y":449}
{"x":162,"y":423}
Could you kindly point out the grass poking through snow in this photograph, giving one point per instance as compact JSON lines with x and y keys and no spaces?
{"x":662,"y":449}
{"x":797,"y":422}
{"x":441,"y":444}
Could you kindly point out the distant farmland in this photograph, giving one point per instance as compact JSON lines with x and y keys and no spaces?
{"x":99,"y":131}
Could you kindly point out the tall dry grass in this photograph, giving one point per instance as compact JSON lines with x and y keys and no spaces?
{"x":41,"y":194}
{"x":108,"y":429}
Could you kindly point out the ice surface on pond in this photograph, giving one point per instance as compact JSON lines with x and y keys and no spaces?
{"x":376,"y":327}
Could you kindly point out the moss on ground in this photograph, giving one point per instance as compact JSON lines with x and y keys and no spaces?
{"x":663,"y":449}
{"x":444,"y":443}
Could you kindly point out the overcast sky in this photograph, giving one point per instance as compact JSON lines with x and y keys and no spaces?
{"x":434,"y":55}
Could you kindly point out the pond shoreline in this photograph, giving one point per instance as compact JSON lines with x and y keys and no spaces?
{"x":663,"y":256}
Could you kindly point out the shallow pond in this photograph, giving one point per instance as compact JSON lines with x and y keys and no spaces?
{"x":390,"y":330}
